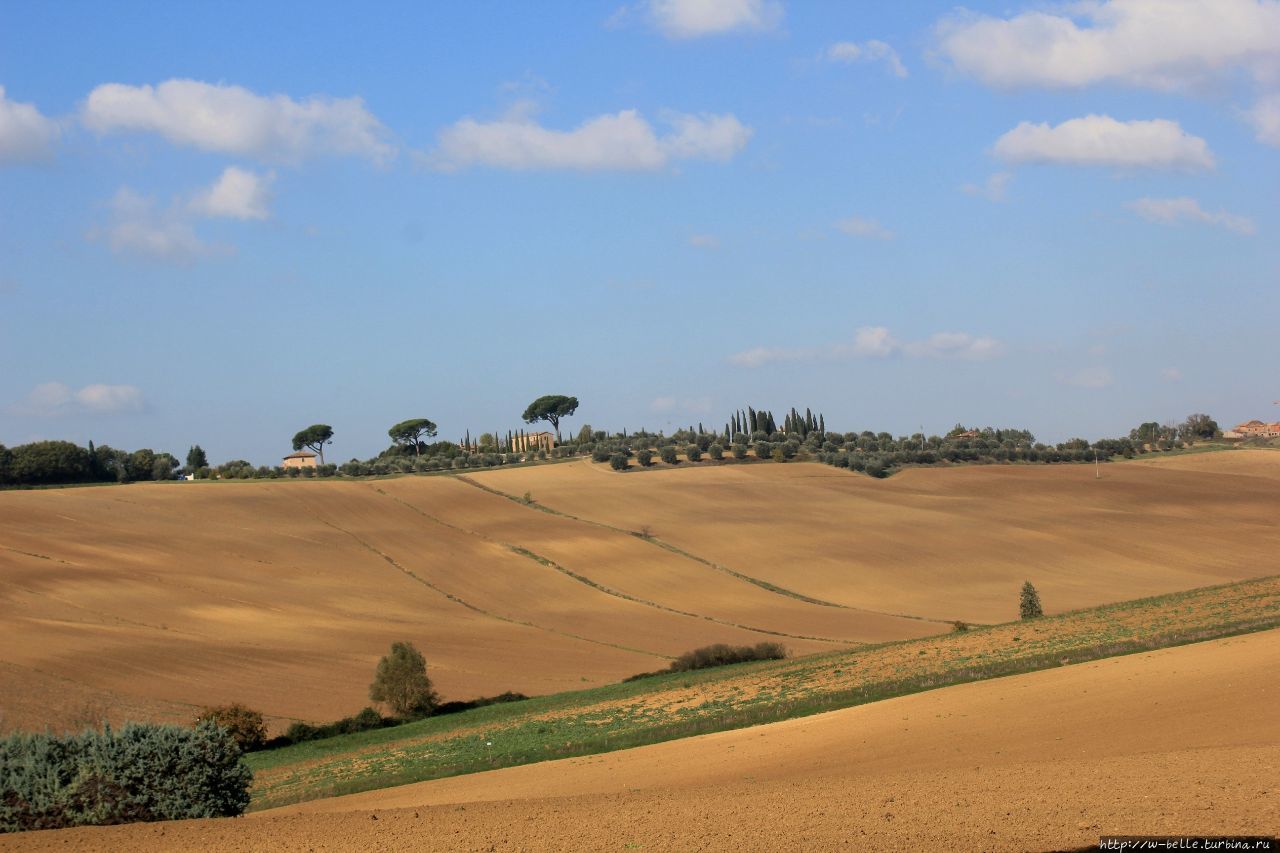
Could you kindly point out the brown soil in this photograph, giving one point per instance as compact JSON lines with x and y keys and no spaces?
{"x":1175,"y":741}
{"x":147,"y":601}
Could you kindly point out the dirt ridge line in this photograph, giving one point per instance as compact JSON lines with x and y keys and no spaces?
{"x":459,"y":600}
{"x":675,"y":549}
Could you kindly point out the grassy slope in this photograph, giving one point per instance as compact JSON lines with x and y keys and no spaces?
{"x":680,"y":705}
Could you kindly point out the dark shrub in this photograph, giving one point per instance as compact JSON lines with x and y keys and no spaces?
{"x":668,"y":454}
{"x":244,"y":724}
{"x":140,"y":773}
{"x":601,"y":454}
{"x":739,"y":451}
{"x":716,"y":451}
{"x":619,"y":462}
{"x":721,"y":654}
{"x":645,"y":458}
{"x":693,"y":453}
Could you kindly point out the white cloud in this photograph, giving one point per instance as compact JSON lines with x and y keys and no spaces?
{"x":1171,"y":211}
{"x":955,"y":345}
{"x":1099,"y":140}
{"x":237,"y":194}
{"x":138,"y":227}
{"x":1087,"y":377}
{"x":234,"y":120}
{"x":866,"y":52}
{"x":55,"y":398}
{"x":874,"y":341}
{"x":1265,"y":118}
{"x":684,"y":19}
{"x":995,"y":189}
{"x":622,"y":141}
{"x":25,"y":135}
{"x":705,"y":241}
{"x":1171,"y":374}
{"x":1159,"y":44}
{"x":879,"y":342}
{"x":858,"y":226}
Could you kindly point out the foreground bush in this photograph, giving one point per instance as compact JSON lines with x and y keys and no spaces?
{"x":140,"y":773}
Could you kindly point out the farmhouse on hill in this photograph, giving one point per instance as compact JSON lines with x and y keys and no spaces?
{"x":301,"y":459}
{"x":1254,"y":429}
{"x":525,"y":442}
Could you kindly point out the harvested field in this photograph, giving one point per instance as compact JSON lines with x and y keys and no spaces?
{"x":1174,"y":741}
{"x":946,"y":543}
{"x":148,"y":600}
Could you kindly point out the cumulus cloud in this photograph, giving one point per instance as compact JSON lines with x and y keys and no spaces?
{"x":878,"y":342}
{"x":54,"y":398}
{"x":237,"y":194}
{"x":994,"y":189}
{"x":1099,"y":140}
{"x":1184,"y":46}
{"x":685,"y":19}
{"x":234,"y":120}
{"x":850,"y":52}
{"x":858,"y":226}
{"x":705,"y":241}
{"x":1172,"y":211}
{"x":137,"y":226}
{"x":1092,"y":378}
{"x":1265,"y":118}
{"x":1147,"y":43}
{"x":622,"y":141}
{"x":25,"y":135}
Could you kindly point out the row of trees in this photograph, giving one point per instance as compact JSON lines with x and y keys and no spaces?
{"x":57,"y":462}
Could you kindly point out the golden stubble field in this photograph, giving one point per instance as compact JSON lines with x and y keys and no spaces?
{"x":146,"y":601}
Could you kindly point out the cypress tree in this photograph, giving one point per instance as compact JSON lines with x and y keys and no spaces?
{"x":1029,"y":605}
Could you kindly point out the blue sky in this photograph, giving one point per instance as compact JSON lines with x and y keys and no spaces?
{"x":220,"y":224}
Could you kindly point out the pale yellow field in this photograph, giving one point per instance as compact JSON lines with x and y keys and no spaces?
{"x":146,"y":601}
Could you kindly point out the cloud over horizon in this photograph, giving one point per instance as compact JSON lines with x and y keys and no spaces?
{"x":52,"y":399}
{"x":879,"y":343}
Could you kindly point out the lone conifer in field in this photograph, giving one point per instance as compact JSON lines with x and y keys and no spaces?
{"x":1030,"y":607}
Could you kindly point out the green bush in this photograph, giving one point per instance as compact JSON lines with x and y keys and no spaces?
{"x":1029,"y":602}
{"x":645,"y":458}
{"x":619,"y":462}
{"x":739,"y":450}
{"x":693,"y":453}
{"x":668,"y":454}
{"x":140,"y":773}
{"x":716,"y":451}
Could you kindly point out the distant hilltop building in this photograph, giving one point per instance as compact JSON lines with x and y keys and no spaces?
{"x":301,"y":459}
{"x":1254,"y":429}
{"x":532,"y":441}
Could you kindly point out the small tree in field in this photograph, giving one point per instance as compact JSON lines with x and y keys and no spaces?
{"x":401,"y":682}
{"x":1029,"y":607}
{"x":244,"y":724}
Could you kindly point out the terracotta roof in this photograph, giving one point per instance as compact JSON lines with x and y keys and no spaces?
{"x":302,"y":454}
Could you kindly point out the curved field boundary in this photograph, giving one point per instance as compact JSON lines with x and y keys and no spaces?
{"x":683,"y":704}
{"x":667,"y":546}
{"x":599,"y":587}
